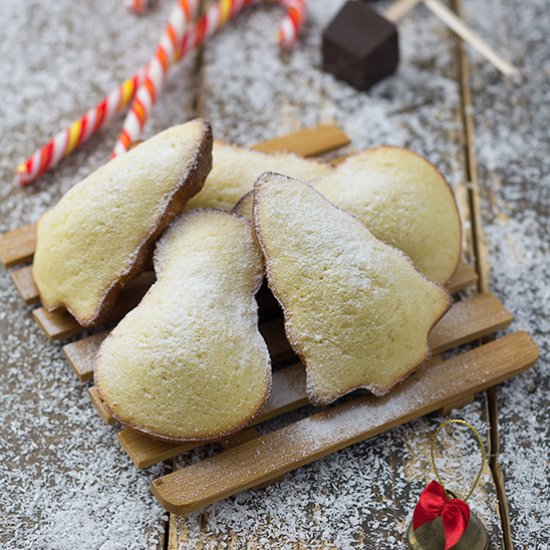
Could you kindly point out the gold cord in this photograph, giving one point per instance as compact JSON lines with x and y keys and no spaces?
{"x":481,"y":447}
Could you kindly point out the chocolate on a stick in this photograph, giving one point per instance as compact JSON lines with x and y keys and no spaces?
{"x":360,"y":46}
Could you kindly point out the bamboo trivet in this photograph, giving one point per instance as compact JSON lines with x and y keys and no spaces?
{"x":276,"y":453}
{"x":466,"y":321}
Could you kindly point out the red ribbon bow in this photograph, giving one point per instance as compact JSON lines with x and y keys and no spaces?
{"x":454,"y":513}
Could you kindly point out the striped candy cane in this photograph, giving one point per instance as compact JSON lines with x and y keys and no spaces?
{"x":158,"y":66}
{"x":67,"y":140}
{"x":295,"y":19}
{"x":214,"y":19}
{"x":82,"y":129}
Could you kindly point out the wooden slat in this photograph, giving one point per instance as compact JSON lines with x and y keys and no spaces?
{"x":302,"y":442}
{"x":17,"y":246}
{"x":241,"y":438}
{"x":130,"y":438}
{"x":464,"y":277}
{"x":24,"y":283}
{"x":306,"y":142}
{"x":100,"y":407}
{"x":59,"y":324}
{"x":140,"y":448}
{"x":81,"y":355}
{"x":244,"y":436}
{"x":465,"y":322}
{"x":468,"y":320}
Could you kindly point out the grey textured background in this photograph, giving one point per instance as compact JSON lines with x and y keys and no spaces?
{"x":64,"y":482}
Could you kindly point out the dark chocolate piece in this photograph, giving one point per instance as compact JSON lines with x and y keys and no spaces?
{"x":360,"y":46}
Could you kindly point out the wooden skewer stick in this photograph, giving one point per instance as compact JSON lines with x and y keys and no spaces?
{"x":400,"y":8}
{"x":457,"y":25}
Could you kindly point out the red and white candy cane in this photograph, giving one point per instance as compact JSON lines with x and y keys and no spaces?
{"x":165,"y":56}
{"x":67,"y":140}
{"x":214,"y":19}
{"x":82,"y":129}
{"x":295,"y":19}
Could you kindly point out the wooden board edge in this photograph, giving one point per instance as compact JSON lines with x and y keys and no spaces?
{"x":306,"y":142}
{"x":17,"y":245}
{"x":100,"y":407}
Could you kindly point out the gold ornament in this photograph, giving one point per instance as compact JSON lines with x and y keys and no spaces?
{"x":430,"y":535}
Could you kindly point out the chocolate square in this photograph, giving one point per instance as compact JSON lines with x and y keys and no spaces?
{"x":360,"y":46}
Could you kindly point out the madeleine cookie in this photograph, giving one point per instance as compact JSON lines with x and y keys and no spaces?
{"x":235,"y":170}
{"x":188,"y":363}
{"x":356,"y":310}
{"x":405,"y":202}
{"x":100,"y":235}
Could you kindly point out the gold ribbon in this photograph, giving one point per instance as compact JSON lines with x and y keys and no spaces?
{"x":481,"y":447}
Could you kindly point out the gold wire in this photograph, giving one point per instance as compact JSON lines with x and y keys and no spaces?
{"x":481,"y":447}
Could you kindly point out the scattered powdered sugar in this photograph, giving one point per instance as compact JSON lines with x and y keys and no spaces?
{"x":63,"y":477}
{"x":512,"y":140}
{"x":64,"y":481}
{"x":369,"y":488}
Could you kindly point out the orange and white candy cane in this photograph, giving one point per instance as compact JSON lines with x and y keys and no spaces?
{"x":214,"y":19}
{"x":67,"y":140}
{"x":79,"y":131}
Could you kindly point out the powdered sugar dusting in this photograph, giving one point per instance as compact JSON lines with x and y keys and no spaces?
{"x":64,"y":482}
{"x":512,"y":140}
